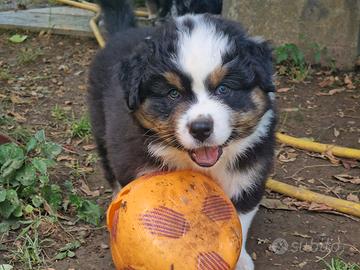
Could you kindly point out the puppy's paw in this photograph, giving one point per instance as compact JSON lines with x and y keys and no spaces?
{"x":245,"y":262}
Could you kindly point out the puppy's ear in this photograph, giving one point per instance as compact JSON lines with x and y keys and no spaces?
{"x":133,"y":71}
{"x":261,"y":51}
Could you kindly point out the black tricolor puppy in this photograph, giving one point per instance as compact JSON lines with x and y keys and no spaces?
{"x":194,"y":93}
{"x":166,"y":8}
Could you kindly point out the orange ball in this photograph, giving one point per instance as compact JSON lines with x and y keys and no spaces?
{"x":174,"y":220}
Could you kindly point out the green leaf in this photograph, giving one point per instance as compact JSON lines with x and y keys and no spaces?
{"x":40,"y":164}
{"x":37,"y":201}
{"x":2,"y":195}
{"x":28,"y":209}
{"x":71,"y":246}
{"x":18,"y":211}
{"x":10,"y":151}
{"x":26,"y":175}
{"x":76,"y":200}
{"x":10,"y":166}
{"x":69,"y":186}
{"x":6,"y":267}
{"x":61,"y":255}
{"x":51,"y":150}
{"x":90,"y":212}
{"x":317,"y":57}
{"x":70,"y":254}
{"x":52,"y":194}
{"x":4,"y":227}
{"x":40,"y":136}
{"x":10,"y":204}
{"x":18,"y":38}
{"x":32,"y":143}
{"x":44,"y":179}
{"x":27,"y":192}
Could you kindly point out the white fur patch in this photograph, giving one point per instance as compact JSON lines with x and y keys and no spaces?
{"x":240,"y":146}
{"x":233,"y":183}
{"x":272,"y":96}
{"x":205,"y":106}
{"x":201,"y":50}
{"x":245,"y":262}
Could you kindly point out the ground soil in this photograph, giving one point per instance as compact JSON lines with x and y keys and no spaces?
{"x":58,"y":76}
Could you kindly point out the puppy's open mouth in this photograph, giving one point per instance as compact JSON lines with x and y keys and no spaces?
{"x":206,"y":156}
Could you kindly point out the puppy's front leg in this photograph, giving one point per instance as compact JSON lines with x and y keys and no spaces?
{"x":245,"y":262}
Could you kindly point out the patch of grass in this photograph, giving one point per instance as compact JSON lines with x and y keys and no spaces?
{"x":5,"y":75}
{"x":339,"y":264}
{"x":59,"y":113}
{"x":28,"y":55}
{"x":292,"y":61}
{"x":20,"y":134}
{"x":29,"y":251}
{"x":6,"y":120}
{"x":80,"y":128}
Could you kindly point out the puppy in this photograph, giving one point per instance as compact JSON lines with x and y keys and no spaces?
{"x":164,"y":8}
{"x":194,"y":93}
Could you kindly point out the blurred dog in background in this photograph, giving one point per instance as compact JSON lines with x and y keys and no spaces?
{"x":173,"y":8}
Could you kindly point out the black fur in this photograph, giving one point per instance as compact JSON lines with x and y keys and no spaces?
{"x":118,"y":15}
{"x":180,"y":7}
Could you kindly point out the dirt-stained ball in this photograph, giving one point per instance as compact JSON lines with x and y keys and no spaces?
{"x":174,"y":220}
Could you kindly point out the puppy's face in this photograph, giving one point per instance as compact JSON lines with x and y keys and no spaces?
{"x":209,"y":91}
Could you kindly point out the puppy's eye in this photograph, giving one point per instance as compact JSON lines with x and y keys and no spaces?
{"x":222,"y":91}
{"x":174,"y":94}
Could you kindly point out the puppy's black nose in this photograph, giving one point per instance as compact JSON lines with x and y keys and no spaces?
{"x":201,"y":128}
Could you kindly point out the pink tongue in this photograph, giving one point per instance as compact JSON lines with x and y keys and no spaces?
{"x":206,"y":156}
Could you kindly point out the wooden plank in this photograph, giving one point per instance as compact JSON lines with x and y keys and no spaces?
{"x":61,"y":20}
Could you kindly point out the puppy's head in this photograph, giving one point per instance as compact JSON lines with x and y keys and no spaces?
{"x":203,"y":85}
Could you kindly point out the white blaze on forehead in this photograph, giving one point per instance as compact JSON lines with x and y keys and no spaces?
{"x":200,"y":50}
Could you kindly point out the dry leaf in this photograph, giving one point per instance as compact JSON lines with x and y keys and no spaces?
{"x":283,"y":90}
{"x":89,"y":147}
{"x":274,"y":204}
{"x":85,"y":188}
{"x":104,"y":246}
{"x":333,"y":160}
{"x":348,"y":178}
{"x":65,"y":157}
{"x":287,"y":157}
{"x":18,"y":100}
{"x":348,"y":82}
{"x":319,"y":207}
{"x":327,"y":81}
{"x":18,"y":117}
{"x":352,"y":197}
{"x":331,"y":92}
{"x":350,"y":163}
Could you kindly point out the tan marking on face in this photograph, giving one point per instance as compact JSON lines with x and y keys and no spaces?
{"x":258,"y":97}
{"x":245,"y":122}
{"x":216,"y":77}
{"x":174,"y":80}
{"x":165,"y":129}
